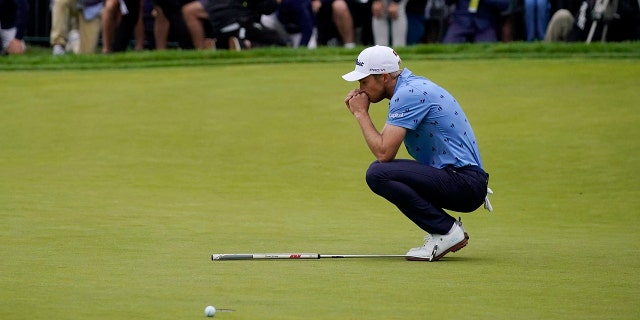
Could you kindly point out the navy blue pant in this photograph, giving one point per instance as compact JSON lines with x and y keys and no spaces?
{"x":298,"y":17}
{"x":421,"y":192}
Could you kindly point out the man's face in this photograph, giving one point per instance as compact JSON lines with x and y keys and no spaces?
{"x":373,"y":86}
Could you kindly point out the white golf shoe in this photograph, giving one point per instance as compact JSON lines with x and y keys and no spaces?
{"x":437,"y":245}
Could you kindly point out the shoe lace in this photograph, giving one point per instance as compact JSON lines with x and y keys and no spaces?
{"x":427,"y":238}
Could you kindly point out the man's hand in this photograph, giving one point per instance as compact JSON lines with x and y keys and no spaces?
{"x":350,"y":95}
{"x":384,"y":145}
{"x":357,"y":102}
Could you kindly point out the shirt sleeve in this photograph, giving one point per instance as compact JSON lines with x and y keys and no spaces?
{"x":406,"y":108}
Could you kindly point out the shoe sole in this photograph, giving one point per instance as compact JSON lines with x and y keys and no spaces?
{"x":455,"y":248}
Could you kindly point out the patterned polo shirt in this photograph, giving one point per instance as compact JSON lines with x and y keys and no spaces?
{"x":438,"y":132}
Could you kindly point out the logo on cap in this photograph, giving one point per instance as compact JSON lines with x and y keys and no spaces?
{"x":359,"y":63}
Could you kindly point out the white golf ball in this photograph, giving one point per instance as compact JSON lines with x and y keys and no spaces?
{"x":210,"y":311}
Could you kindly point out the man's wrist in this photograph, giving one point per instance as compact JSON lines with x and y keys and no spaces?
{"x":361,"y":115}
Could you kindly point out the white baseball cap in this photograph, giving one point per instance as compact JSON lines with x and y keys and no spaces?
{"x":374,"y":60}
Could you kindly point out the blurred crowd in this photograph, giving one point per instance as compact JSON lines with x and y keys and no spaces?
{"x":92,"y":26}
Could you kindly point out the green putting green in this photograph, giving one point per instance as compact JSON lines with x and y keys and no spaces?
{"x":117,"y":186}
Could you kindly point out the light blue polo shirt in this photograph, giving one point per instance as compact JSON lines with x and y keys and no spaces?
{"x":438,"y":132}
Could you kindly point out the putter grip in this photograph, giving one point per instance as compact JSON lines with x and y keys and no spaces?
{"x":215,"y":257}
{"x":254,"y":256}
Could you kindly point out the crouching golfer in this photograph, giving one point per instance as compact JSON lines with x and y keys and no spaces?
{"x":447,"y":172}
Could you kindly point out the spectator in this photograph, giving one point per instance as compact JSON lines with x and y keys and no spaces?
{"x":560,"y":26}
{"x":389,"y":15}
{"x":475,"y":21}
{"x":169,"y":23}
{"x":148,"y":13}
{"x":337,"y":21}
{"x":81,"y":14}
{"x":427,"y":20}
{"x":196,"y":19}
{"x":138,"y":29}
{"x":236,"y":23}
{"x":415,"y":10}
{"x":13,"y":22}
{"x":622,"y":18}
{"x":119,"y":20}
{"x":509,"y":21}
{"x":297,"y":17}
{"x":536,"y":13}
